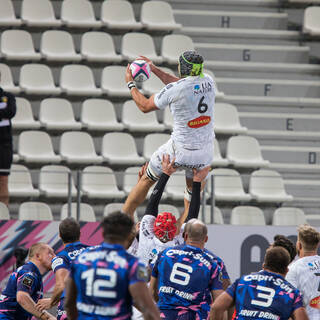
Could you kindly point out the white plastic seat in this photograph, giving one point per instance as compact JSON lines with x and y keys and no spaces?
{"x":118,"y":14}
{"x":36,"y":147}
{"x":78,"y":14}
{"x":7,"y":15}
{"x":35,"y":211}
{"x":57,"y":114}
{"x":245,"y":152}
{"x":228,"y":186}
{"x":18,"y":45}
{"x":37,"y":79}
{"x":218,"y":160}
{"x":86,"y":212}
{"x":24,"y":117}
{"x":173,"y":45}
{"x":169,"y":208}
{"x":20,"y":182}
{"x":35,"y":13}
{"x":247,"y":215}
{"x":113,"y":83}
{"x":4,"y":212}
{"x":100,"y":183}
{"x":154,"y":84}
{"x":268,"y":186}
{"x":287,"y":216}
{"x":226,"y":120}
{"x":217,"y":215}
{"x":98,"y":47}
{"x":53,"y":182}
{"x":158,"y":15}
{"x":176,"y":186}
{"x":99,"y":114}
{"x":152,"y":142}
{"x":6,"y":81}
{"x":116,"y":206}
{"x":119,"y":148}
{"x":136,"y":44}
{"x":78,"y":147}
{"x":78,"y":80}
{"x":311,"y":23}
{"x":135,"y":120}
{"x":218,"y":94}
{"x":57,"y":45}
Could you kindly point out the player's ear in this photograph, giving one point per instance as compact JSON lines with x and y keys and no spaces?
{"x":206,"y":239}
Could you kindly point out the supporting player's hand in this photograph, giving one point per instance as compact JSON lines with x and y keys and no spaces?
{"x":142,"y":170}
{"x":167,"y":165}
{"x":43,"y":304}
{"x":150,"y":63}
{"x":128,"y":74}
{"x":200,"y":175}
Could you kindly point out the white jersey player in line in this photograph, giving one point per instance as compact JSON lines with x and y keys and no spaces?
{"x":304,"y":273}
{"x":191,"y":100}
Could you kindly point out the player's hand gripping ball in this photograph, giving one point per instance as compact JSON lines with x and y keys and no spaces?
{"x":140,"y":70}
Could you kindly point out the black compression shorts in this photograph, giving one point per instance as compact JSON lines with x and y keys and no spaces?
{"x":5,"y":158}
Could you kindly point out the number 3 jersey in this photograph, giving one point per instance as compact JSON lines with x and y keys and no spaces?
{"x":264,"y":295}
{"x":102,"y":276}
{"x":186,"y":276}
{"x":191,"y":102}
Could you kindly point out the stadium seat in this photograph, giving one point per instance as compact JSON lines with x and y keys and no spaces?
{"x":4,"y":212}
{"x":176,"y":186}
{"x":100,"y":183}
{"x":99,"y":114}
{"x":119,"y":148}
{"x":311,"y":23}
{"x":78,"y":80}
{"x":217,"y":215}
{"x":24,"y":117}
{"x":6,"y":80}
{"x":135,"y":120}
{"x":226,"y":120}
{"x":53,"y":182}
{"x":118,"y":14}
{"x":228,"y":186}
{"x":134,"y":44}
{"x":287,"y":216}
{"x":18,"y":45}
{"x":35,"y":211}
{"x":78,"y":147}
{"x":115,"y":206}
{"x":112,"y":81}
{"x":36,"y":147}
{"x":158,"y":16}
{"x":218,"y":161}
{"x":57,"y":45}
{"x":154,"y":84}
{"x":7,"y":15}
{"x":99,"y":47}
{"x":86,"y":212}
{"x":245,"y":152}
{"x":247,"y":215}
{"x":169,"y":208}
{"x":57,"y":114}
{"x":173,"y":45}
{"x":268,"y":186}
{"x":37,"y":79}
{"x":152,"y":142}
{"x":20,"y":182}
{"x":36,"y":13}
{"x":78,"y":14}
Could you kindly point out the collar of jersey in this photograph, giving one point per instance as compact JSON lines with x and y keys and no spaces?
{"x":273,"y":273}
{"x":112,"y":246}
{"x":72,"y":244}
{"x":34,"y":267}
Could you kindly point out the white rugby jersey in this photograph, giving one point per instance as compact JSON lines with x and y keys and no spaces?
{"x":304,"y":274}
{"x":191,"y":102}
{"x":133,"y":249}
{"x":149,"y":244}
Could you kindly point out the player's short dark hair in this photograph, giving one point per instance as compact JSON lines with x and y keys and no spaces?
{"x":187,"y":61}
{"x":309,"y":237}
{"x":277,"y":260}
{"x":282,"y":241}
{"x":117,"y":226}
{"x":69,"y":230}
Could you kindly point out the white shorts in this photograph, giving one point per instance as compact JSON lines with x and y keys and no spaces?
{"x":186,"y":159}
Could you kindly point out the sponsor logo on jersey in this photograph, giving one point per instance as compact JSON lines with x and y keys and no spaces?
{"x":142,"y":273}
{"x":202,"y":88}
{"x":27,"y":282}
{"x":199,"y":122}
{"x":315,"y":303}
{"x":315,"y":265}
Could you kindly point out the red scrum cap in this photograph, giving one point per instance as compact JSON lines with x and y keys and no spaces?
{"x":165,"y":226}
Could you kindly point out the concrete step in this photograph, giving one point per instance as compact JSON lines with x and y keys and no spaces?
{"x":231,"y":19}
{"x":303,"y":189}
{"x":253,"y":53}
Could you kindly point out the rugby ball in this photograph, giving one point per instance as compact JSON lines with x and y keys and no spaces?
{"x":140,"y":70}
